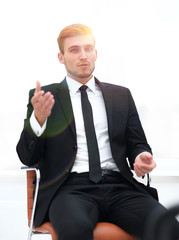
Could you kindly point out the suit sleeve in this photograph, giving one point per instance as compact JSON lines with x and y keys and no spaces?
{"x":135,"y":136}
{"x":29,"y":147}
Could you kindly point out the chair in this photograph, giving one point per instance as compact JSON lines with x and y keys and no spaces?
{"x":103,"y":230}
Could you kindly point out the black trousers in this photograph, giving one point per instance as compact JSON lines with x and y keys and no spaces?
{"x":80,"y":204}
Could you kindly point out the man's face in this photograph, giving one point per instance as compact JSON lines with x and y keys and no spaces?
{"x":79,"y":57}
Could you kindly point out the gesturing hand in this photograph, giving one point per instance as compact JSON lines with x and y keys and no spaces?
{"x":42,"y":103}
{"x":143,"y":164}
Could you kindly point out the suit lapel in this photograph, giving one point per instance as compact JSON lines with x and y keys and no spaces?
{"x":107,"y":95}
{"x":63,"y":98}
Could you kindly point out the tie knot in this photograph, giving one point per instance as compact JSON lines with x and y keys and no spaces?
{"x":83,"y":88}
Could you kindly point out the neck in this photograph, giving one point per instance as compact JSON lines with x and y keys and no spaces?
{"x":80,"y":80}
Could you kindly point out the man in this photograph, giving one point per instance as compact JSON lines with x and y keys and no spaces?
{"x":75,"y":192}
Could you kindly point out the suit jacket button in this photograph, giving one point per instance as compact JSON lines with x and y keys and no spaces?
{"x":31,"y":144}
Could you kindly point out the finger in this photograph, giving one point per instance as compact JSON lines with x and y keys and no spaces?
{"x":48,"y":101}
{"x":45,"y":97}
{"x":38,"y":87}
{"x":37,"y":98}
{"x":139,"y":172}
{"x":145,"y":165}
{"x":49,"y":107}
{"x":146,"y":158}
{"x":144,"y":168}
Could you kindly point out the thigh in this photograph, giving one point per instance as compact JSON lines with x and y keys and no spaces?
{"x":73,"y":215}
{"x":130,"y":210}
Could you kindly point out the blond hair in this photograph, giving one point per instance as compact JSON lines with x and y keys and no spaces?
{"x":71,"y":31}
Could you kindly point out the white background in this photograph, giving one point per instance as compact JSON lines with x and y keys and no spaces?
{"x":138,"y":47}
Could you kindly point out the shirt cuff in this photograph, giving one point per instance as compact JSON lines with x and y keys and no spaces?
{"x":37,"y":129}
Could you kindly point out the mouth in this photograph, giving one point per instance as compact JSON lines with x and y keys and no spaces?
{"x":83,"y":65}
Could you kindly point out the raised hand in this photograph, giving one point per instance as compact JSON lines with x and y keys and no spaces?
{"x":42,"y":103}
{"x":143,"y":164}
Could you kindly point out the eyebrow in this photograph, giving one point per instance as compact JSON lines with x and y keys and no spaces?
{"x":73,"y":46}
{"x":77,"y":46}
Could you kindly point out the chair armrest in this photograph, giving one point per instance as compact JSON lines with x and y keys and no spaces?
{"x":37,"y":171}
{"x":149,"y":179}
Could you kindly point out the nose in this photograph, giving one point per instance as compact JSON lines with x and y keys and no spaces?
{"x":82,"y":54}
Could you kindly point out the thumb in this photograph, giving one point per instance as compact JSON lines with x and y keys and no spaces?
{"x":146,"y":157}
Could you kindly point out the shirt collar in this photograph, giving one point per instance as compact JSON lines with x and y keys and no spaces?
{"x":74,"y":85}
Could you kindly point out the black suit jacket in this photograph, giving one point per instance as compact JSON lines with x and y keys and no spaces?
{"x":55,"y":150}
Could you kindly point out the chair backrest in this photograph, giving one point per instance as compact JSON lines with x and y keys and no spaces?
{"x":103,"y":231}
{"x":30,"y":188}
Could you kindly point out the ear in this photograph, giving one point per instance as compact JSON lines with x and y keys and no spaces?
{"x":61,"y":58}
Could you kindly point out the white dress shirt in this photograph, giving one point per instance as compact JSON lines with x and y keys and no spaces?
{"x":100,"y":122}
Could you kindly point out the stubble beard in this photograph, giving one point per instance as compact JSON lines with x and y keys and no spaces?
{"x":85,"y":74}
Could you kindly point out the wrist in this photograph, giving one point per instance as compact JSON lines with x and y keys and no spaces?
{"x":40,"y":120}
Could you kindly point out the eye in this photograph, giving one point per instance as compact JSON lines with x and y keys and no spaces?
{"x":74,"y":50}
{"x":89,"y":49}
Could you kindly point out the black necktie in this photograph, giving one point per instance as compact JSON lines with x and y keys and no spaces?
{"x":93,"y":151}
